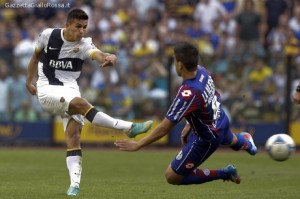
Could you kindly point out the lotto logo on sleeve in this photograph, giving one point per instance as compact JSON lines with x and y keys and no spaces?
{"x":186,"y":93}
{"x":189,"y":165}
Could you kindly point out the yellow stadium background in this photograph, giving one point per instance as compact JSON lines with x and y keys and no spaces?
{"x":295,"y":132}
{"x":97,"y":135}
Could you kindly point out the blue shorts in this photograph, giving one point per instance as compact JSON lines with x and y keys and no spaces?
{"x":197,"y":150}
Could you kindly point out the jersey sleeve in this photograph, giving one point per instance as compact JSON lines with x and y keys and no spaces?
{"x":42,"y":39}
{"x":181,"y":104}
{"x":89,"y":48}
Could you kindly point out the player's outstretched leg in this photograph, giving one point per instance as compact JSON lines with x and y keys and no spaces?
{"x":251,"y":148}
{"x":73,"y":191}
{"x":233,"y":176}
{"x":245,"y":142}
{"x":199,"y":176}
{"x":139,"y":128}
{"x":102,"y":119}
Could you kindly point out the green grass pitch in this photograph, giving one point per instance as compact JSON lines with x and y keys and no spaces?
{"x":112,"y":174}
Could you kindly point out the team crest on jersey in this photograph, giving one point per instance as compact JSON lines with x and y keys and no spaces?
{"x":206,"y":172}
{"x":179,"y":155}
{"x":189,"y":165}
{"x":75,"y":50}
{"x":93,"y":46}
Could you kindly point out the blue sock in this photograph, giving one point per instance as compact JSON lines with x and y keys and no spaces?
{"x":200,"y":176}
{"x":241,"y":143}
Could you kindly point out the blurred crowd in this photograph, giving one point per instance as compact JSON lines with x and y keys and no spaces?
{"x":244,"y":43}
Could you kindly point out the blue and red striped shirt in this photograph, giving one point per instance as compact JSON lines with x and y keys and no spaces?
{"x":199,"y":102}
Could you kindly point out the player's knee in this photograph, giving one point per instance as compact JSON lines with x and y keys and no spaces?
{"x":79,"y":105}
{"x":171,"y":178}
{"x":79,"y":102}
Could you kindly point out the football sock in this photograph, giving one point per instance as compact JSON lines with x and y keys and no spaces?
{"x":200,"y":176}
{"x":74,"y":164}
{"x":241,"y":143}
{"x":101,"y":119}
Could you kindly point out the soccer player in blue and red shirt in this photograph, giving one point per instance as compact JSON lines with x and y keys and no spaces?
{"x":199,"y":103}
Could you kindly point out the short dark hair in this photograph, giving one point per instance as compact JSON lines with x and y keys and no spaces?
{"x":77,"y":14}
{"x":187,"y":54}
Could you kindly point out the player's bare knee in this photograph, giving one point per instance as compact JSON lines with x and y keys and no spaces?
{"x":172,"y":180}
{"x":79,"y":102}
{"x":172,"y":177}
{"x":79,"y":105}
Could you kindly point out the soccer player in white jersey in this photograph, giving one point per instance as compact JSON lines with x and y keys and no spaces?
{"x":58,"y":58}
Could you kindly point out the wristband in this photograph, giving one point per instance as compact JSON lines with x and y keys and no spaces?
{"x":298,"y":89}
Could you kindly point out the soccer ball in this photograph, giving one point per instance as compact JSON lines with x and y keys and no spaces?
{"x":280,"y":146}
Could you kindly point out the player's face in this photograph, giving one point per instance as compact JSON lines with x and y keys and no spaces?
{"x":76,"y":29}
{"x":177,"y":66}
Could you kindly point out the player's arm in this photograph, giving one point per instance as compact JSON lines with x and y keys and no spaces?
{"x":31,"y":72}
{"x":106,"y":59}
{"x":40,"y":44}
{"x":160,"y":131}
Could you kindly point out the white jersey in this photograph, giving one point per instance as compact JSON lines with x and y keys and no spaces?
{"x":60,"y":61}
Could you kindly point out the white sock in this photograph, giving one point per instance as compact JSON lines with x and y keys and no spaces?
{"x":74,"y":164}
{"x":102,"y":119}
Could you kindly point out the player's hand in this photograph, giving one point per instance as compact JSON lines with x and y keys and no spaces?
{"x":296,"y":97}
{"x":127,"y":145}
{"x":185,"y":133}
{"x":106,"y":63}
{"x":31,"y":88}
{"x":109,"y":61}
